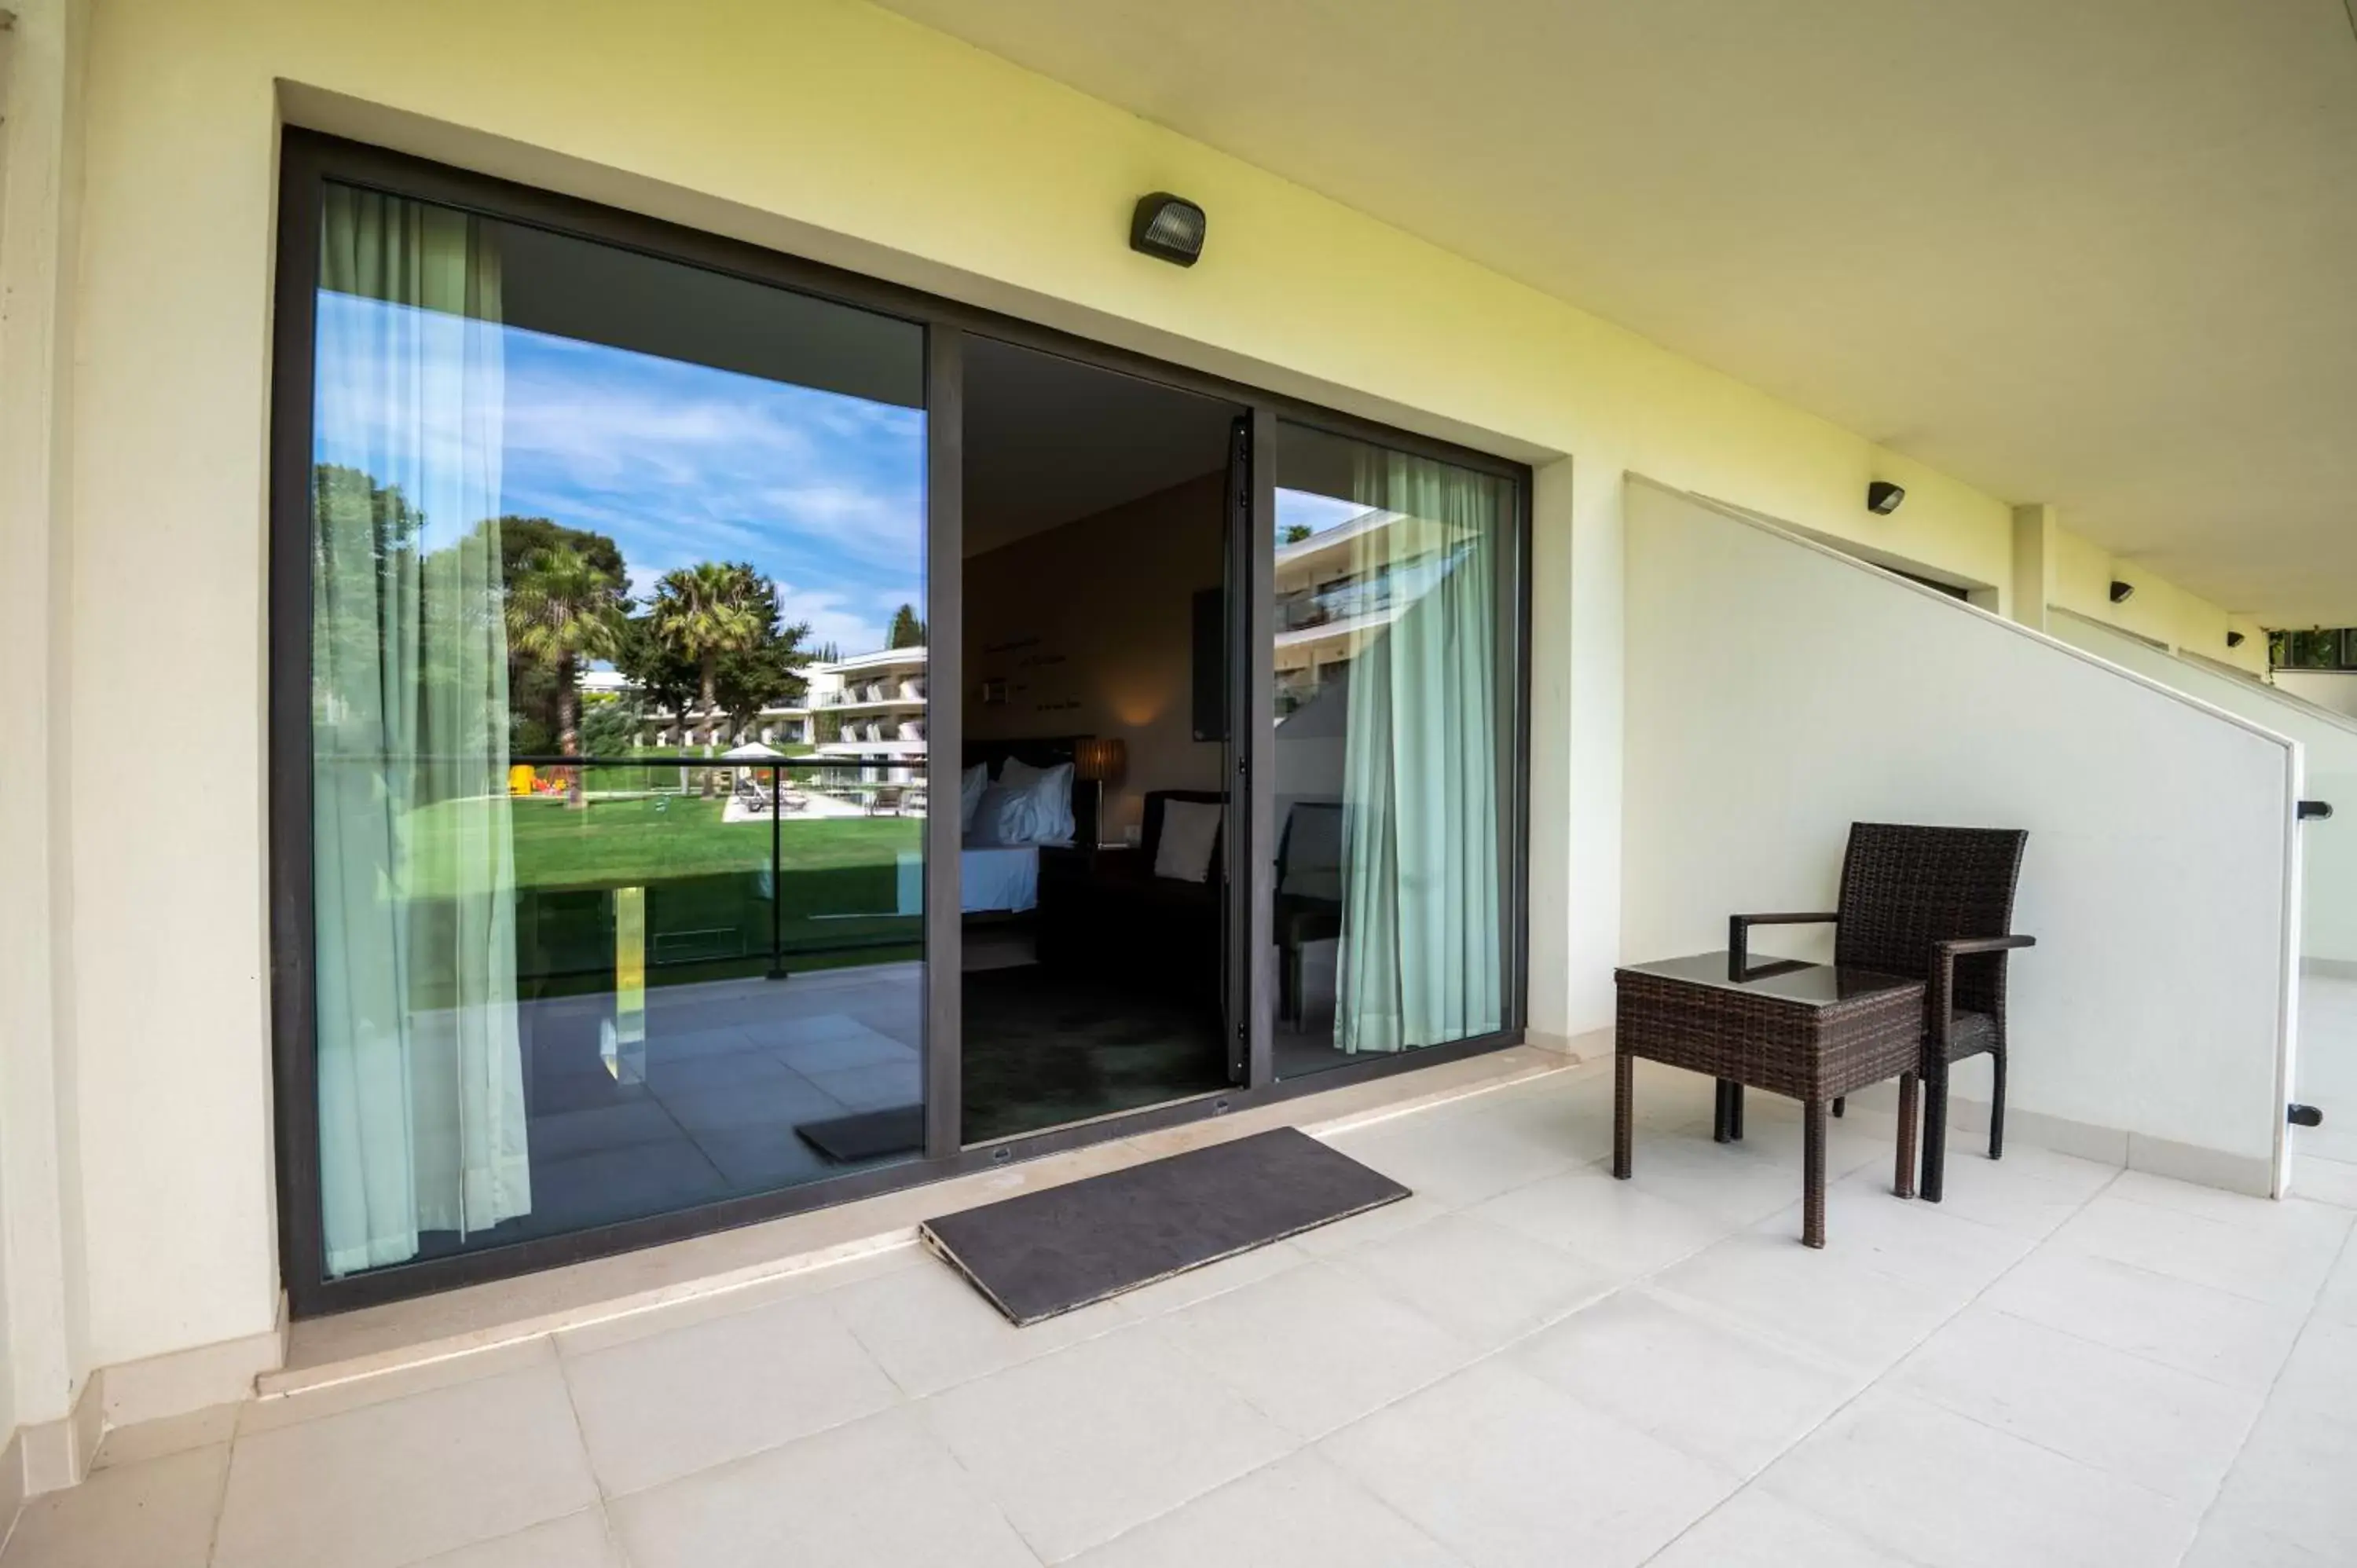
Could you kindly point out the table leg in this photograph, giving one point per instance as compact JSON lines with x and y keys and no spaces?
{"x":1624,"y":1106}
{"x":1734,"y":1112}
{"x":1718,"y":1088}
{"x":1902,"y":1179}
{"x":1935,"y":1131}
{"x":1813,"y":1172}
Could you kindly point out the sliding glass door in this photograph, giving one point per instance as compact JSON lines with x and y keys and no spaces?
{"x":613,"y":717}
{"x":1394,"y":628}
{"x":634,"y":591}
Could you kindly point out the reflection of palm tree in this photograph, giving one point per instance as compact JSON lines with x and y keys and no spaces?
{"x":703,"y":611}
{"x":563,"y":609}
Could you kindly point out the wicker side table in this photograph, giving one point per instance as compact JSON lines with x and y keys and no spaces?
{"x":1810,"y":1031}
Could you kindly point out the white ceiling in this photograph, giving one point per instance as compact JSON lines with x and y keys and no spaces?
{"x":1049,"y":441}
{"x":2100,"y":253}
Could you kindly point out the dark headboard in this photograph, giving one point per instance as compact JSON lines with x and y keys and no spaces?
{"x":1043,"y":752}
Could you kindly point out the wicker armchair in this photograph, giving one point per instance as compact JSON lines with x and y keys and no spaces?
{"x":1933,"y":904}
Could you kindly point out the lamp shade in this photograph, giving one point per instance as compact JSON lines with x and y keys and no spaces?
{"x":1099,"y":758}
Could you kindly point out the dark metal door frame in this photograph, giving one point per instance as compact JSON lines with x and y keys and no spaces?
{"x":945,"y":965}
{"x":1252,"y":864}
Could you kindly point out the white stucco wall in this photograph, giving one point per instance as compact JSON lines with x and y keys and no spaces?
{"x":2331,"y":689}
{"x":2328,"y":743}
{"x":43,"y":1316}
{"x":1823,"y":691}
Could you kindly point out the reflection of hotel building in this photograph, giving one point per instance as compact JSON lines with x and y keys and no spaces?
{"x":870,"y":706}
{"x":1337,"y":588}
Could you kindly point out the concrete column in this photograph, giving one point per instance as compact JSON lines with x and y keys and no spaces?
{"x":43,"y":1307}
{"x":1575,"y":746}
{"x":2032,"y":588}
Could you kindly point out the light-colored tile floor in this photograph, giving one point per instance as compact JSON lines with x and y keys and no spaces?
{"x":1529,"y":1363}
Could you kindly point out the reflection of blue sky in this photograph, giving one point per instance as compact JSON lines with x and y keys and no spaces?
{"x":675,"y":462}
{"x":1307,"y":508}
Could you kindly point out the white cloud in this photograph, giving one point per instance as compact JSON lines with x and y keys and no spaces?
{"x":831,"y":618}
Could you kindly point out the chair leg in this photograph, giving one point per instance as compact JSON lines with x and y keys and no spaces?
{"x":1813,"y":1172}
{"x":1841,"y":1103}
{"x":1935,"y":1131}
{"x":1734,"y":1112}
{"x":1997,"y":1105}
{"x":1719,"y":1109}
{"x":1902,"y":1179}
{"x":1624,"y":1105}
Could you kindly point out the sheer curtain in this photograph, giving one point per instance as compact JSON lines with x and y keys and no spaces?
{"x":1421,"y":938}
{"x":420,"y":1069}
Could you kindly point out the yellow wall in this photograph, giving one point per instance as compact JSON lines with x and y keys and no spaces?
{"x":2159,"y":609}
{"x":822,"y":126}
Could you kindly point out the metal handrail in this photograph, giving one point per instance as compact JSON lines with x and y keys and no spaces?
{"x":556,"y":759}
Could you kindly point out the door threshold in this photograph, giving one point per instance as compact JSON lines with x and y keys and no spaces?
{"x":690,"y":1278}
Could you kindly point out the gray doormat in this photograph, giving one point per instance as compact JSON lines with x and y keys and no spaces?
{"x":1049,"y":1252}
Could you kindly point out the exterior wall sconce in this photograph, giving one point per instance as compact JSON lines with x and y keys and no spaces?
{"x":2235,"y":640}
{"x":1882,"y":497}
{"x":1168,"y":228}
{"x":2122,"y":592}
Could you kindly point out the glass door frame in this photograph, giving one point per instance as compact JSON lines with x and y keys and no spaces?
{"x":308,"y":160}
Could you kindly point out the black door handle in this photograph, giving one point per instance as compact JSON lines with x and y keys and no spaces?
{"x":2315,"y":810}
{"x":2306,"y":1115}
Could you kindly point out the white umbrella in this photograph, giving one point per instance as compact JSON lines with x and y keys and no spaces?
{"x":751,"y":751}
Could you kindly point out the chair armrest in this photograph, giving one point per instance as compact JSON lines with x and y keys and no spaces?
{"x":1958,"y":947}
{"x":1738,"y":936}
{"x":1940,"y":999}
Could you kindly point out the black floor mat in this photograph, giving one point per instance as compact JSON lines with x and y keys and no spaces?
{"x":1049,"y":1252}
{"x":867,"y":1134}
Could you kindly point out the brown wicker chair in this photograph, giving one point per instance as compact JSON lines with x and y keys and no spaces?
{"x":1933,"y":904}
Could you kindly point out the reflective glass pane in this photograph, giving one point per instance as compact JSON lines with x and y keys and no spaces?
{"x":618,"y":705}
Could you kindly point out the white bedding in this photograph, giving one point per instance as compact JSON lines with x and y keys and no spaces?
{"x":999,"y":876}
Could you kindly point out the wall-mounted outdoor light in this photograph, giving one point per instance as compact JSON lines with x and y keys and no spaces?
{"x":2233,"y":640}
{"x":1167,"y":227}
{"x":1882,"y":497}
{"x":2122,"y":592}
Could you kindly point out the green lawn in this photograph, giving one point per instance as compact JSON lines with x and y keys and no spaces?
{"x":632,"y":843}
{"x":707,"y":886}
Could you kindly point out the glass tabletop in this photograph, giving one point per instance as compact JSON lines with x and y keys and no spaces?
{"x":1787,"y":979}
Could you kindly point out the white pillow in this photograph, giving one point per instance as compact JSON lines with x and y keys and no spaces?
{"x":1005,"y":816}
{"x":1052,"y":787}
{"x":970,"y":784}
{"x":1184,"y":851}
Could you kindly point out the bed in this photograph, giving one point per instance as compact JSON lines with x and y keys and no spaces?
{"x":1000,"y":879}
{"x":1004,"y":879}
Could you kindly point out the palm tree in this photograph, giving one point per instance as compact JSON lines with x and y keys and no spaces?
{"x":563,"y":609}
{"x":706,"y":610}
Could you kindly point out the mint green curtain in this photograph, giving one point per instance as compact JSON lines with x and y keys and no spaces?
{"x":1421,"y":948}
{"x":420,"y":1067}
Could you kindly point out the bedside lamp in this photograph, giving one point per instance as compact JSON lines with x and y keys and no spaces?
{"x":1098,"y":760}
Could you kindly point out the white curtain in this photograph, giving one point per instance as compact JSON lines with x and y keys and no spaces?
{"x":1421,"y":943}
{"x":420,"y":1071}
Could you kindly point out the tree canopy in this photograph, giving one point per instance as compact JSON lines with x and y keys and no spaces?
{"x":521,"y":538}
{"x":563,"y":610}
{"x":715,"y":637}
